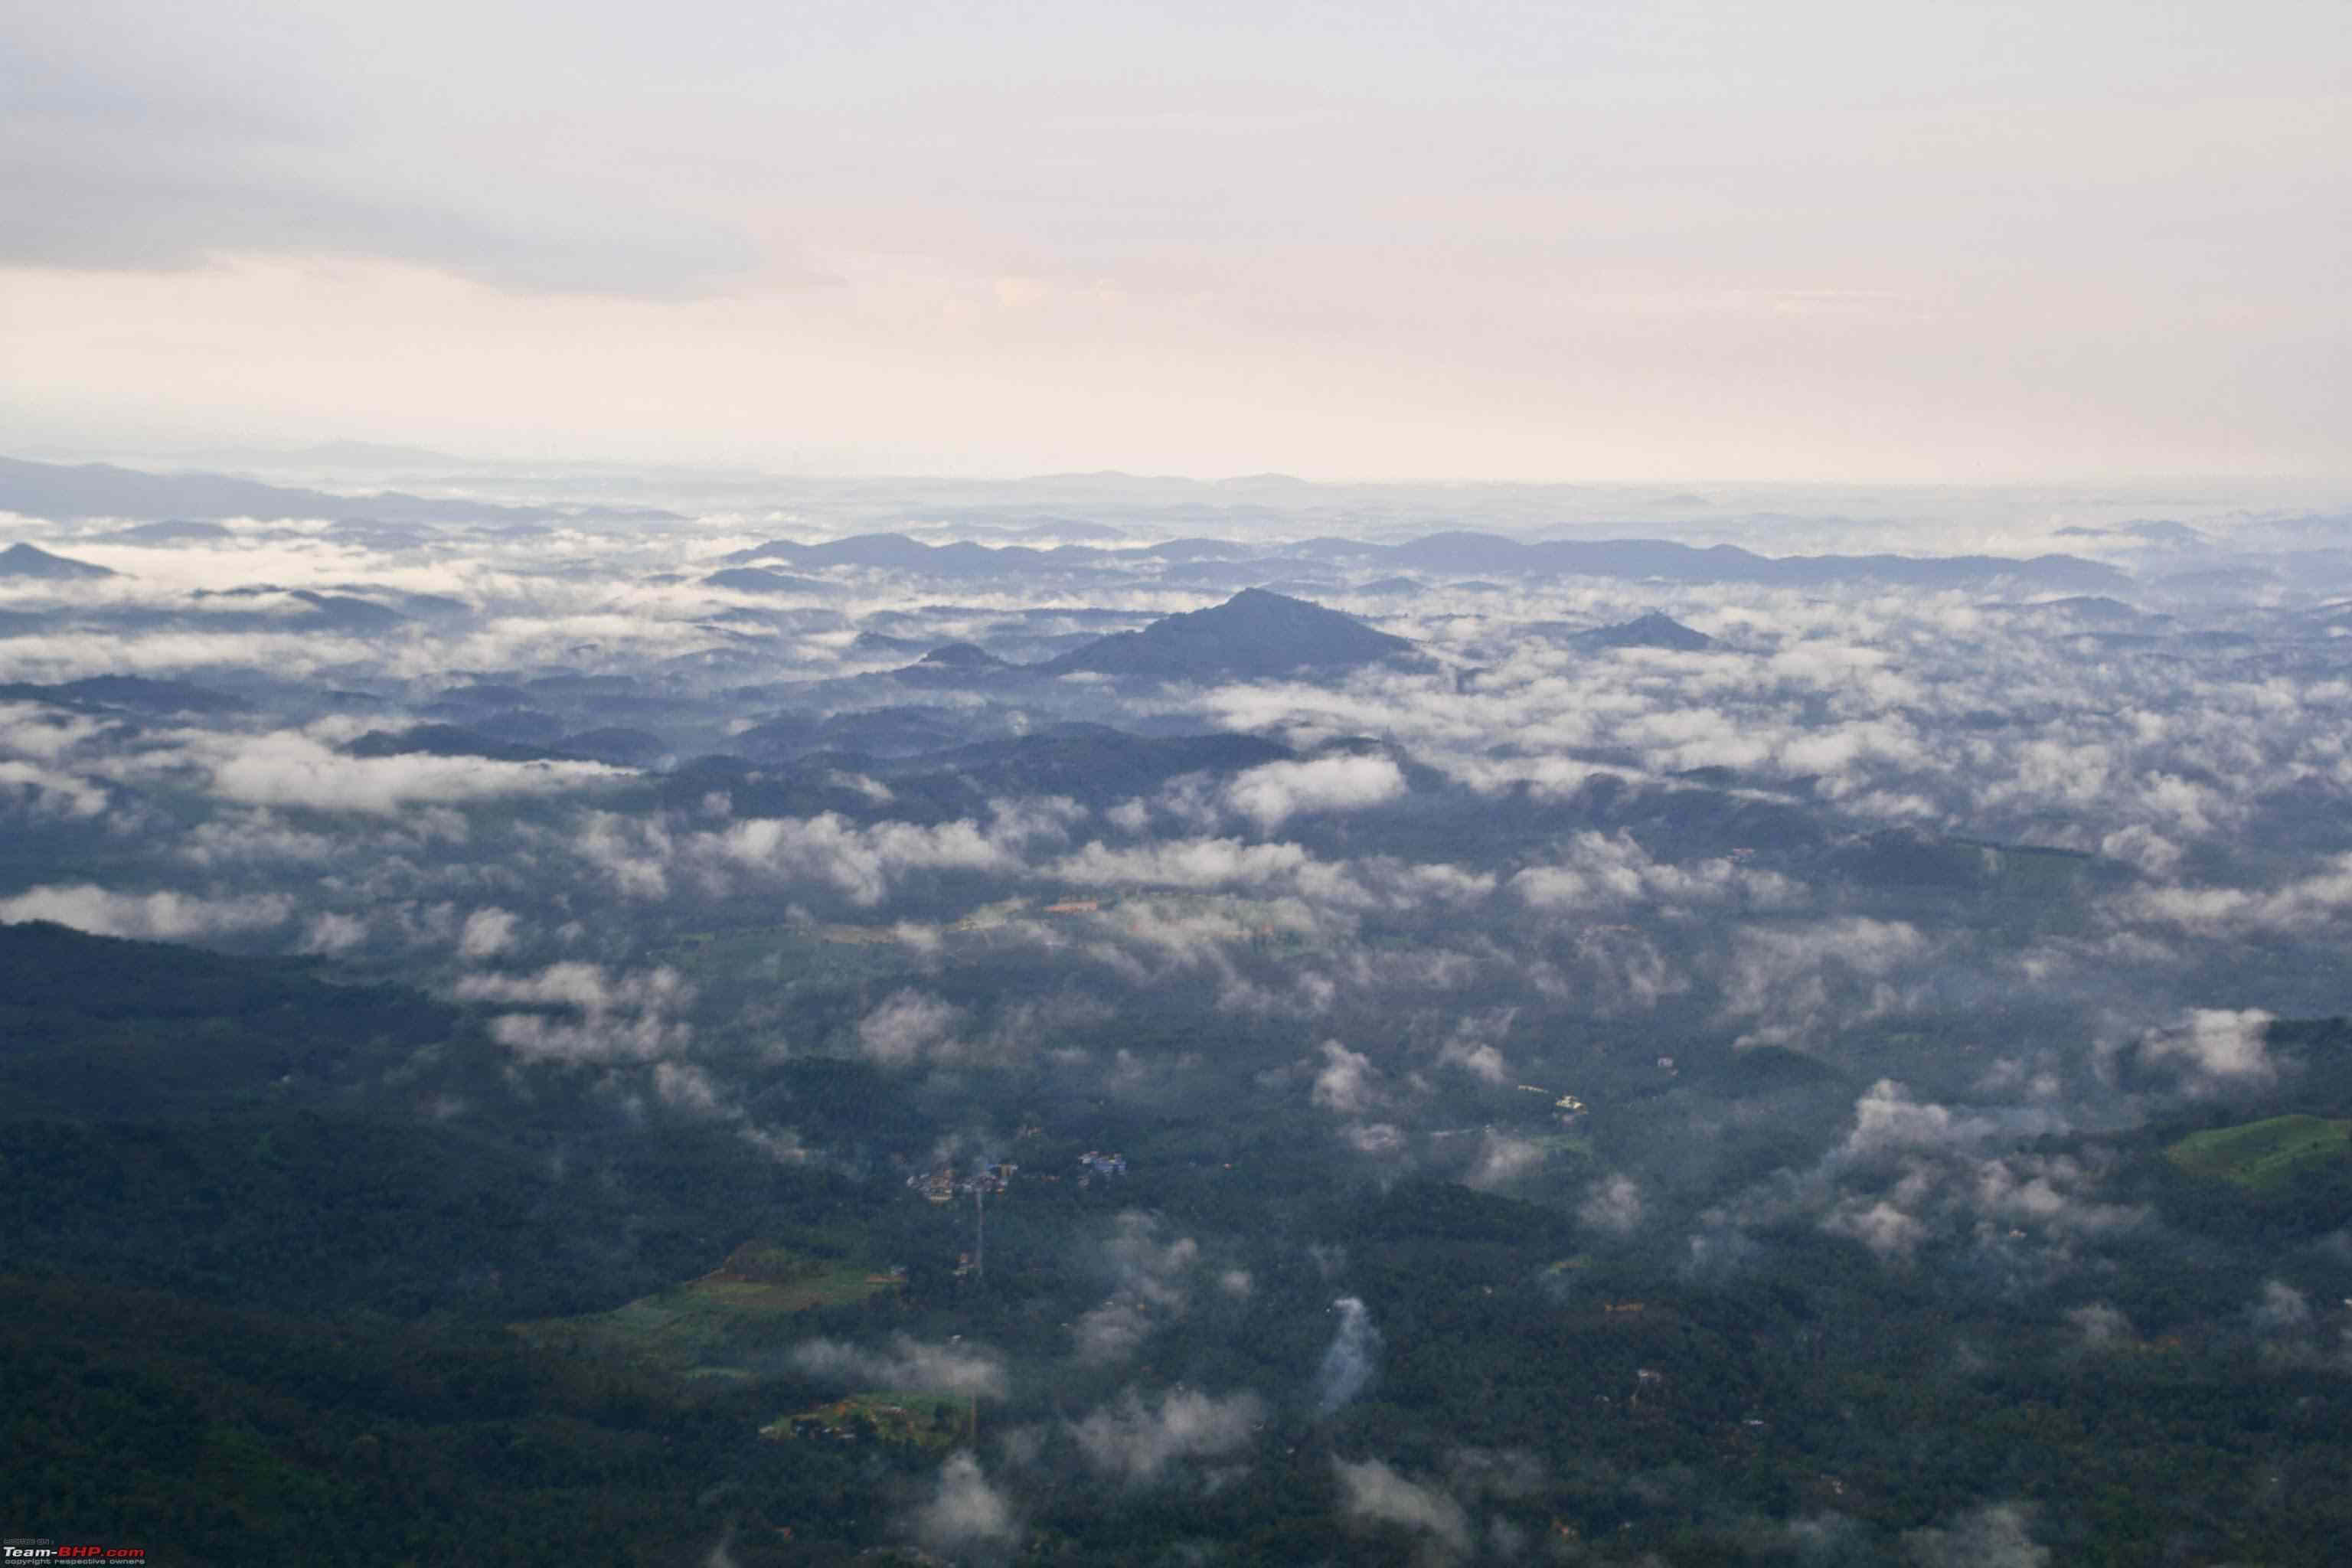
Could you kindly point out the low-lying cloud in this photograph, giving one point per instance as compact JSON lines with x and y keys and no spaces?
{"x":158,"y":916}
{"x":908,"y":1363}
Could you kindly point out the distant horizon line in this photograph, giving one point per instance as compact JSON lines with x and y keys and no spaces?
{"x":393,"y":455}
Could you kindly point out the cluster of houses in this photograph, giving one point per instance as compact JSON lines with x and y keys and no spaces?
{"x":858,"y":1421}
{"x":1568,"y":1107}
{"x":942,"y":1184}
{"x":811,"y":1429}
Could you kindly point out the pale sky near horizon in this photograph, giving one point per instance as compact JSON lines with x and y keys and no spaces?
{"x":1828,"y":239}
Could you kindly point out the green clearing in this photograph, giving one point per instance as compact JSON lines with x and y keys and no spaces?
{"x":712,"y":1327}
{"x":2263,"y":1157}
{"x":787,"y":956}
{"x":1571,"y":1145}
{"x":2034,"y":868}
{"x":918,"y":1419}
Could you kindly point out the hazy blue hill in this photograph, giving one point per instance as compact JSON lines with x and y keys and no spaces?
{"x":2067,"y":572}
{"x":374,"y":455}
{"x":1462,"y":551}
{"x":345,"y":613}
{"x":2161,"y":531}
{"x":1197,"y":550}
{"x":1217,"y":560}
{"x":1097,"y":765}
{"x":135,"y":692}
{"x":1327,"y":548}
{"x":1255,"y":573}
{"x":173,"y":531}
{"x":581,"y":686}
{"x":1254,"y":633}
{"x":618,"y":745}
{"x":490,"y":694}
{"x":1659,"y":559}
{"x":883,"y":550}
{"x":773,"y":550}
{"x":1667,"y":561}
{"x":812,"y":784}
{"x":372,"y":534}
{"x":962,"y":664}
{"x":809,"y":770}
{"x":158,"y":696}
{"x":2093,"y":607}
{"x":1652,"y":630}
{"x":962,"y":655}
{"x":760,"y":579}
{"x":31,"y":561}
{"x":897,"y":553}
{"x":907,"y":731}
{"x":519,"y":727}
{"x":1684,"y":820}
{"x":783,"y":735}
{"x":447,"y":741}
{"x":902,"y":730}
{"x":1071,"y":528}
{"x":99,"y":489}
{"x":878,"y":643}
{"x":265,"y":607}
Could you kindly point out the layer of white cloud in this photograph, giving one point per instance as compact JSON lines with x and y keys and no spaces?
{"x":158,"y":916}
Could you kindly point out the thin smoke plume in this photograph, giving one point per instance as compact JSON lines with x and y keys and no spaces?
{"x":1349,"y":1363}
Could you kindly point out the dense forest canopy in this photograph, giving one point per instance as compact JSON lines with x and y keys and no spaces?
{"x":916,"y":1027}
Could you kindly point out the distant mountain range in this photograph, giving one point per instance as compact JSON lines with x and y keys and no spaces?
{"x":897,"y":553}
{"x":131,"y":692}
{"x":449,"y":740}
{"x":1253,"y":635}
{"x":30,"y":561}
{"x":1663,"y":560}
{"x":1447,"y":554}
{"x":1652,"y":630}
{"x":760,"y":579}
{"x":794,"y":766}
{"x":172,"y":532}
{"x":67,"y":493}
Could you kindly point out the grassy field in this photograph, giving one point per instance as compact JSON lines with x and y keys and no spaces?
{"x":825,"y":957}
{"x":2036,"y":868}
{"x":719,"y":1325}
{"x":920,"y":1419}
{"x":2262,"y":1157}
{"x":1564,"y":1145}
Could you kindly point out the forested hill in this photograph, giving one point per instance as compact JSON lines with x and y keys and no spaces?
{"x":104,"y":1027}
{"x":333,"y":1279}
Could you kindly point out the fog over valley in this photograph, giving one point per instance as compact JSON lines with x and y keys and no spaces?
{"x":1262,"y":1021}
{"x":865,"y":786}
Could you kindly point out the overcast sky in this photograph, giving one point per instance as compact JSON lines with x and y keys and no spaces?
{"x":1818,"y":240}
